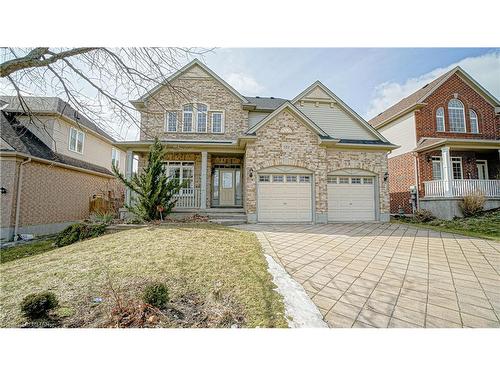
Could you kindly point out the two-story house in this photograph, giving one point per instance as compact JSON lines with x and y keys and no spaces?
{"x":449,"y":133}
{"x":309,"y":159}
{"x":52,"y":165}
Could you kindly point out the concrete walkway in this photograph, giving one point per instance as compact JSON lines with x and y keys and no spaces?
{"x":390,"y":275}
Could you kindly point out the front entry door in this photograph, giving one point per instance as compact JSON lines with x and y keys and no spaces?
{"x":482,"y":169}
{"x":227,"y":188}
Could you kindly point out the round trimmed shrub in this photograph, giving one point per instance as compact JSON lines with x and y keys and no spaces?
{"x":156,"y":294}
{"x":38,"y":305}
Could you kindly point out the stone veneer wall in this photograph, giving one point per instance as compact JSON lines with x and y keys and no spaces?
{"x":286,"y":140}
{"x":204,"y":90}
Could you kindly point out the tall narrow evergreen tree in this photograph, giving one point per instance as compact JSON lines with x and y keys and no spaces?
{"x":155,"y":191}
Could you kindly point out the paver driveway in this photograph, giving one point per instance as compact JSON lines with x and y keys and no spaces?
{"x":390,"y":275}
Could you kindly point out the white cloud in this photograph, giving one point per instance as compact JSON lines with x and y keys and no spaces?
{"x":245,"y":84}
{"x":485,"y":69}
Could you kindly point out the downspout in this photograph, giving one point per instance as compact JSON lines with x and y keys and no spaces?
{"x":416,"y":165}
{"x":18,"y":197}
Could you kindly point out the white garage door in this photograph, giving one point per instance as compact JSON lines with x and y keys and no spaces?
{"x":351,"y":198}
{"x":284,"y":198}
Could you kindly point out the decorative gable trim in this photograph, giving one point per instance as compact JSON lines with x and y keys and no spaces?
{"x":294,"y":110}
{"x":336,"y":100}
{"x":181,"y":71}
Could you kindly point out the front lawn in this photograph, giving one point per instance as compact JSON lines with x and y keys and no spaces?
{"x":217,"y":277}
{"x":26,"y":250}
{"x":484,"y":226}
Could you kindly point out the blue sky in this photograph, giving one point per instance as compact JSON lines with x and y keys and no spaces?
{"x":367,"y":79}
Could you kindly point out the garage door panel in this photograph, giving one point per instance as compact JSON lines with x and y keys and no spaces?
{"x":351,"y":201}
{"x":284,"y":201}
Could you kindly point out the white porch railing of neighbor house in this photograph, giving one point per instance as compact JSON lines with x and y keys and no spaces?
{"x":188,"y":198}
{"x":460,"y":188}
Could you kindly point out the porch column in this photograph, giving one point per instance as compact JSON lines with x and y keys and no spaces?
{"x":129,"y":162}
{"x":203,"y":187}
{"x":447,"y":171}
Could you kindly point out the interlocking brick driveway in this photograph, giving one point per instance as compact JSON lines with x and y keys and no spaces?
{"x":390,"y":275}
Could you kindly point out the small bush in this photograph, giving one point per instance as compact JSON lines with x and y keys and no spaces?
{"x":78,"y":232}
{"x":472,"y":204}
{"x":423,"y":216}
{"x":101,"y":218}
{"x":156,"y":295}
{"x":38,"y":305}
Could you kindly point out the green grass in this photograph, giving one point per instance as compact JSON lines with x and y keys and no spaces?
{"x":190,"y":259}
{"x":484,"y":226}
{"x":26,"y":250}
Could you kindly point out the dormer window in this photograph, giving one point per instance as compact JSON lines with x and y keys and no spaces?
{"x":440,"y":119}
{"x":474,"y":128}
{"x":201,"y":115}
{"x":456,"y":114}
{"x":187,"y":118}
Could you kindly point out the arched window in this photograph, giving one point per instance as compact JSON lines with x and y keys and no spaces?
{"x":456,"y":114}
{"x":474,"y":128}
{"x":201,"y":115}
{"x":440,"y":119}
{"x":187,"y":118}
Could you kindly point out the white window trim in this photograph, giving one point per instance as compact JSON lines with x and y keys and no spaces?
{"x":118,"y":154}
{"x":487,"y":176}
{"x":477,"y":121}
{"x":76,"y":140}
{"x":454,"y":160}
{"x":192,"y":119}
{"x":463,"y":117}
{"x":166,"y":121}
{"x":197,"y":118}
{"x":437,"y":160}
{"x":212,"y":122}
{"x":182,"y":164}
{"x":441,"y":117}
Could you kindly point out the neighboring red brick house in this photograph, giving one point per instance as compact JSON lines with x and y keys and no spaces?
{"x":449,"y":133}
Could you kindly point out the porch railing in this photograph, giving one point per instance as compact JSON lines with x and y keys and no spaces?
{"x":188,"y":198}
{"x":460,"y":188}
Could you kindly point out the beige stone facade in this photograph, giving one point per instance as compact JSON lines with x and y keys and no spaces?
{"x":48,"y":200}
{"x":299,"y":146}
{"x":188,"y":89}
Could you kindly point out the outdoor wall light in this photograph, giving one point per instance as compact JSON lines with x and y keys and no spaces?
{"x":428,"y":158}
{"x":250,"y":172}
{"x":3,"y":190}
{"x":386,"y":176}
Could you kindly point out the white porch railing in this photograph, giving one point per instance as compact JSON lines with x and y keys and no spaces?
{"x":188,"y":198}
{"x":460,"y":188}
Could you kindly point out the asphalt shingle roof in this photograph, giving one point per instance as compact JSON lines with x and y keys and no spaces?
{"x":24,"y":141}
{"x":265,"y":103}
{"x":47,"y":104}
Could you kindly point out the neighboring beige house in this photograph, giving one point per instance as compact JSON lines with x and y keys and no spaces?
{"x":51,"y":166}
{"x":311,"y":159}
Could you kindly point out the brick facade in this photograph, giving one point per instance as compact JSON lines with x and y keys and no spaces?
{"x":48,"y":194}
{"x":425,"y":118}
{"x":401,"y":177}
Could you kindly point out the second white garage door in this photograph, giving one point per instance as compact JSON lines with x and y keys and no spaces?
{"x":284,"y":198}
{"x":351,"y":198}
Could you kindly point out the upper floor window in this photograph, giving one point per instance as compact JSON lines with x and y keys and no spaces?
{"x":187,"y":118}
{"x":456,"y":114}
{"x":115,"y":157}
{"x":440,"y":119}
{"x":76,"y":139}
{"x":171,"y":121}
{"x":473,"y":122}
{"x":217,"y":124}
{"x":201,"y":115}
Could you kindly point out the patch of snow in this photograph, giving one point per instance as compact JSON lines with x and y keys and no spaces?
{"x":298,"y":306}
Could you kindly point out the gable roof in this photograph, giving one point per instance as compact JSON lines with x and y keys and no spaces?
{"x":52,"y":105}
{"x":293,"y":109}
{"x":343,"y":105}
{"x":418,"y":97}
{"x":24,"y":141}
{"x":185,"y":68}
